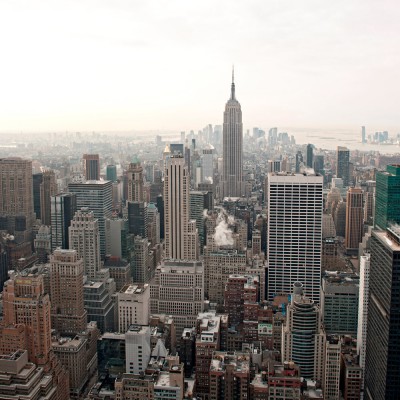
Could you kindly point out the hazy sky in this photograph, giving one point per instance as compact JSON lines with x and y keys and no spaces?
{"x":154,"y":64}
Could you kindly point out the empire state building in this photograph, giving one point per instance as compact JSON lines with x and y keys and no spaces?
{"x":232,"y":172}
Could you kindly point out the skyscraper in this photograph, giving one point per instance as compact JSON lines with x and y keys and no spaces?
{"x":387,"y":196}
{"x":302,"y":336}
{"x":354,"y":220}
{"x":66,"y":288}
{"x":343,"y":164}
{"x":178,"y":230}
{"x":310,"y":155}
{"x":62,"y":210}
{"x":382,"y":364}
{"x":26,"y":303}
{"x":135,"y":181}
{"x":111,"y":173}
{"x":97,"y":196}
{"x":363,"y":135}
{"x":37,"y":180}
{"x":16,"y":191}
{"x":294,"y":233}
{"x":48,"y":188}
{"x":232,"y":173}
{"x":84,"y":237}
{"x":91,"y":167}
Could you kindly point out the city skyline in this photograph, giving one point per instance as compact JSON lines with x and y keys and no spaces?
{"x":126,"y":66}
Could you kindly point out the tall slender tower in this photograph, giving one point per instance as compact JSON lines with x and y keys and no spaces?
{"x":354,"y":220}
{"x":343,"y":164}
{"x":135,"y":181}
{"x":16,"y":191}
{"x":68,"y":313}
{"x":25,"y":302}
{"x":232,"y":172}
{"x":382,"y":363}
{"x":84,"y":237}
{"x":179,"y":231}
{"x":48,"y":188}
{"x":62,"y":210}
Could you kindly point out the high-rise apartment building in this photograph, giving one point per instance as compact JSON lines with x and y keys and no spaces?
{"x":177,"y":290}
{"x":363,"y":311}
{"x":387,"y":197}
{"x":382,"y":364}
{"x":354,"y":220}
{"x":343,"y":164}
{"x":16,"y":192}
{"x":229,"y":375}
{"x":62,"y":210}
{"x":48,"y":188}
{"x":117,"y":242}
{"x":91,"y":167}
{"x":181,"y":237}
{"x":310,"y":156}
{"x":25,"y":302}
{"x":37,"y":180}
{"x":68,"y":314}
{"x":97,"y":196}
{"x":137,"y":218}
{"x":232,"y":169}
{"x":294,"y":233}
{"x":141,"y":272}
{"x":303,"y":341}
{"x":218,"y":266}
{"x":135,"y":181}
{"x":84,"y":237}
{"x":339,"y":303}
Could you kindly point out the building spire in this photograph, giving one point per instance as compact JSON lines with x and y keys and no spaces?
{"x":233,"y":84}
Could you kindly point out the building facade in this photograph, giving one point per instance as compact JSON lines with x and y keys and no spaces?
{"x":294,"y":233}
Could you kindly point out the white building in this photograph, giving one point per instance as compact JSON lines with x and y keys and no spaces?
{"x":84,"y":237}
{"x":133,"y":306}
{"x":363,"y":308}
{"x":178,"y":290}
{"x":179,"y":232}
{"x":137,"y":348}
{"x":294,"y":233}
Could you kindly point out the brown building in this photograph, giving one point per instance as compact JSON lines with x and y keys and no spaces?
{"x":120,"y":271}
{"x":68,"y":314}
{"x":135,"y":181}
{"x":48,"y":188}
{"x":72,"y":355}
{"x":16,"y":204}
{"x":354,"y":220}
{"x":208,"y":329}
{"x":218,"y":266}
{"x":229,"y":376}
{"x":25,"y":303}
{"x":21,"y":379}
{"x":91,"y":167}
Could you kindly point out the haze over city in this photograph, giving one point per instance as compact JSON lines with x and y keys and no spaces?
{"x":138,"y":65}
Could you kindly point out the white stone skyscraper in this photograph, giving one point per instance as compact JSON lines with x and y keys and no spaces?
{"x":84,"y":237}
{"x":232,"y":171}
{"x":294,"y":233}
{"x":181,"y":236}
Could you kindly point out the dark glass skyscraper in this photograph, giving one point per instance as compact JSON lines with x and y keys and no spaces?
{"x":343,"y":164}
{"x":382,"y":364}
{"x":387,"y":200}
